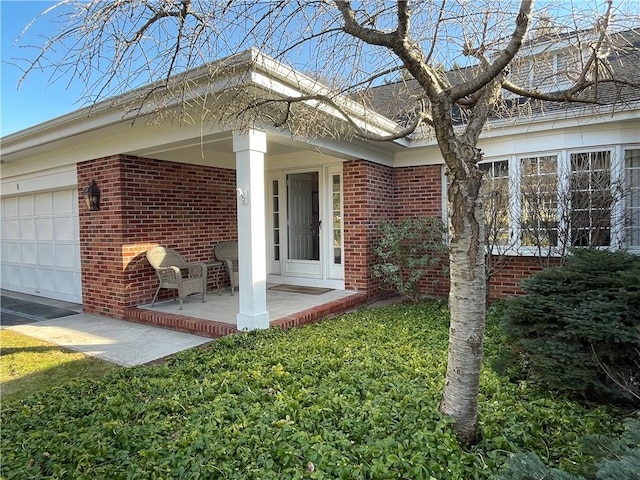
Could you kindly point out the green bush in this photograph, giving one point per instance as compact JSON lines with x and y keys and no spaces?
{"x":407,"y":250}
{"x":578,"y":320}
{"x":355,"y":397}
{"x":614,"y":459}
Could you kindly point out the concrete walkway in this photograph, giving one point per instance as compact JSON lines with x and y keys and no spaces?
{"x":117,"y":341}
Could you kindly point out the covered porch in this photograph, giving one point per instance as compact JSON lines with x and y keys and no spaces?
{"x":288,"y":306}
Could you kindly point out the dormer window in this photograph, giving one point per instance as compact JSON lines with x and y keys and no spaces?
{"x":547,"y":71}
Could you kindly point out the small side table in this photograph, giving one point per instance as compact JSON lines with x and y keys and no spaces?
{"x":217,"y":267}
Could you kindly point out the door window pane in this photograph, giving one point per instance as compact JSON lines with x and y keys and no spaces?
{"x":303,"y":216}
{"x":275,"y":195}
{"x":336,"y":189}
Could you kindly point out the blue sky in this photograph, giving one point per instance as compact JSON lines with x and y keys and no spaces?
{"x":38,"y":99}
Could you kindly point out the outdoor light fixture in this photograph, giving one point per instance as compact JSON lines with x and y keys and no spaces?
{"x":243,"y":196}
{"x":91,"y":195}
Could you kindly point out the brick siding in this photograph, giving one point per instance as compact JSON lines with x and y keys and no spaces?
{"x":506,"y":281}
{"x":367,"y":201}
{"x":146,"y":202}
{"x":375,"y":193}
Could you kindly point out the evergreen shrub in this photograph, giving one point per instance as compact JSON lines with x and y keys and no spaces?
{"x":578,"y":326}
{"x":616,"y":458}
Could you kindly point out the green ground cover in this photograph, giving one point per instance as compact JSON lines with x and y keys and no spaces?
{"x":351,"y":398}
{"x":29,"y":365}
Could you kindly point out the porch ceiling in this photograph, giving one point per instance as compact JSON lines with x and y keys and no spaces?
{"x":218,"y":149}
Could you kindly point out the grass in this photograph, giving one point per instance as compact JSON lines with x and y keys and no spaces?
{"x":355,"y":397}
{"x":29,"y":366}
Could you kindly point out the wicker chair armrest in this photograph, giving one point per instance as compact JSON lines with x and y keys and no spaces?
{"x":228,"y":265}
{"x":197,"y":270}
{"x":169,"y":274}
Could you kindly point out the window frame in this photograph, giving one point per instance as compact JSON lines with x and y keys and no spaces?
{"x":618,"y":175}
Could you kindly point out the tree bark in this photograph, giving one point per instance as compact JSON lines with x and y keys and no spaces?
{"x":466,"y":296}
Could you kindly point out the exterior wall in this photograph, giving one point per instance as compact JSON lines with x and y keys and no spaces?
{"x":506,"y":282}
{"x":367,"y":200}
{"x":146,"y":202}
{"x":374,"y":193}
{"x":418,"y":193}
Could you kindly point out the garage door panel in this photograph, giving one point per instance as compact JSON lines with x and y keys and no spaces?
{"x":44,"y":229}
{"x":64,"y":202}
{"x":66,"y":282}
{"x":66,"y":256}
{"x":11,"y":229}
{"x":29,"y":277}
{"x":25,"y":205}
{"x":29,"y":254}
{"x":63,"y":229}
{"x":47,"y":280}
{"x":12,"y":252}
{"x":10,"y":207}
{"x":10,"y":273}
{"x":27,"y":229}
{"x":47,"y":254}
{"x":43,"y":204}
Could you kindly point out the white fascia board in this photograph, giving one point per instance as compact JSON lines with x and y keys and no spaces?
{"x":285,"y":90}
{"x":548,"y":122}
{"x":562,"y":119}
{"x":351,"y":150}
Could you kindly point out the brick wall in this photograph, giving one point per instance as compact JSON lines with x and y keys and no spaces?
{"x":368,"y":200}
{"x":506,"y":281}
{"x":146,"y":202}
{"x":418,"y":193}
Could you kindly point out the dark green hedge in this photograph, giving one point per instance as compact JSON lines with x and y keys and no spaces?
{"x":577,"y":320}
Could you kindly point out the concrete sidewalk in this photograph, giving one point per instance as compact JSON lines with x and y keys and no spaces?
{"x":117,"y":341}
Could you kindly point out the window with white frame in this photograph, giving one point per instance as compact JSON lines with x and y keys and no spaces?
{"x":591,"y":199}
{"x":495,"y":191}
{"x":567,"y":198}
{"x":539,"y":201}
{"x":632,"y":198}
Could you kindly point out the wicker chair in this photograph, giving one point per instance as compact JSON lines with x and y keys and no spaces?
{"x":169,"y":265}
{"x":227,"y":253}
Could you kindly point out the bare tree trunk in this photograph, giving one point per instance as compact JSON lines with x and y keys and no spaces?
{"x":467,"y":303}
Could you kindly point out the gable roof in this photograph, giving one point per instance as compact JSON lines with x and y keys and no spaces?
{"x":395,"y":99}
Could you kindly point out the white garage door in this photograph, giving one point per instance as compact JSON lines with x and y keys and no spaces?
{"x":40,"y":252}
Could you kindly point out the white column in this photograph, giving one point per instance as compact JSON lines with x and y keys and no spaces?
{"x":250,"y":148}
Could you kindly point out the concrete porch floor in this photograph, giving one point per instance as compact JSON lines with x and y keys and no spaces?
{"x":217,"y":316}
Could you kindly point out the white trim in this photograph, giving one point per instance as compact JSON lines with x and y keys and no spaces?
{"x":41,"y":180}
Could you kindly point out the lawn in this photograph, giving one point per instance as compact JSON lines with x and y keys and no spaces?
{"x":350,"y":398}
{"x":29,"y":365}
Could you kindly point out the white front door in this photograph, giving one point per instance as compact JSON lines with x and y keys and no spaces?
{"x":303,"y":225}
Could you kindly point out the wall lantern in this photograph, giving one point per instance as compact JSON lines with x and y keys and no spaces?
{"x":91,"y":195}
{"x":243,"y":196}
